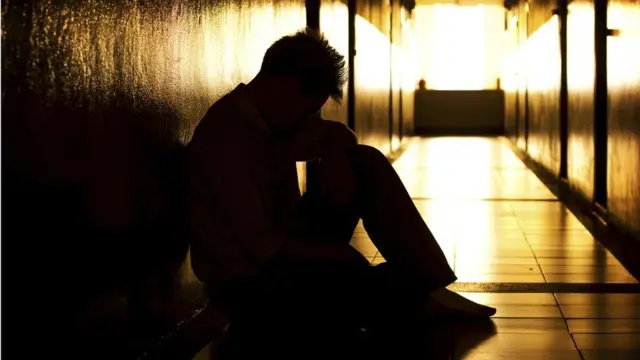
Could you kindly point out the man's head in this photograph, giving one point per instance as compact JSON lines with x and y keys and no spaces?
{"x":299,"y":73}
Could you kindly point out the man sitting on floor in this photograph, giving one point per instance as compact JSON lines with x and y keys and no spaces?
{"x":262,"y":249}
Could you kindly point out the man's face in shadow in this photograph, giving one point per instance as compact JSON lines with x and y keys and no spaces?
{"x":290,"y":106}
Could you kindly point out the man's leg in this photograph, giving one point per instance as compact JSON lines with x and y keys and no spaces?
{"x":416,"y":266}
{"x":345,"y":289}
{"x":399,"y":232}
{"x":392,"y":221}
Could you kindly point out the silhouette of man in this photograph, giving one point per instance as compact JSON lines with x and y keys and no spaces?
{"x":262,"y":249}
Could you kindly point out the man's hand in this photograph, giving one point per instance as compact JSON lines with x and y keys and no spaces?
{"x":318,"y":138}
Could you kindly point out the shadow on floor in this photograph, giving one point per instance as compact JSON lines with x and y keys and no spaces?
{"x":434,"y":341}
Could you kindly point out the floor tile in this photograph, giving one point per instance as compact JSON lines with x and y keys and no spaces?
{"x":556,"y":245}
{"x":610,"y":354}
{"x":455,"y":181}
{"x":517,"y":241}
{"x":495,"y":246}
{"x":528,"y":326}
{"x":532,"y":341}
{"x":486,"y":220}
{"x":518,"y":305}
{"x":590,"y":246}
{"x":511,"y":298}
{"x":499,"y":269}
{"x":574,"y":235}
{"x":523,"y":355}
{"x":500,"y":278}
{"x":569,"y":252}
{"x":607,"y":341}
{"x":615,"y":300}
{"x":591,"y":278}
{"x":364,"y":246}
{"x":551,"y":241}
{"x":205,"y":354}
{"x":492,"y":243}
{"x":489,"y":233}
{"x":500,"y":261}
{"x":604,"y":326}
{"x":527,"y":311}
{"x":466,"y":252}
{"x":579,"y":233}
{"x":583,"y":269}
{"x":609,"y":261}
{"x":559,"y":239}
{"x":600,"y":312}
{"x":526,"y":226}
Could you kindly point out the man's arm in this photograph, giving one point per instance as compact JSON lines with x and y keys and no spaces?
{"x":225,"y":197}
{"x":239,"y":230}
{"x":318,"y":138}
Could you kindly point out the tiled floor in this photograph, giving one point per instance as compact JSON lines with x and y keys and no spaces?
{"x":498,"y":223}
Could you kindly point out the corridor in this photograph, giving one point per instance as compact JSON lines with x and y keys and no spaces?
{"x":101,"y":99}
{"x":516,"y":247}
{"x":503,"y":230}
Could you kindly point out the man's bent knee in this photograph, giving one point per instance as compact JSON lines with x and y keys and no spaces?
{"x":368,"y":154}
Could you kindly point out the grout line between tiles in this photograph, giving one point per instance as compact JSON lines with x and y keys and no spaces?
{"x":510,"y":287}
{"x":566,"y":325}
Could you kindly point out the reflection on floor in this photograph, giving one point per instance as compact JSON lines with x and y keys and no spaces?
{"x":498,"y":224}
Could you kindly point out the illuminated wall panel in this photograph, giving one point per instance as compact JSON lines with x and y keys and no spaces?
{"x":372,"y":78}
{"x":623,"y":71}
{"x":396,"y":72}
{"x":409,"y":73}
{"x":381,"y":70}
{"x":509,"y":76}
{"x":539,"y":57}
{"x":580,"y":78}
{"x":334,"y":23}
{"x":523,"y":10}
{"x":543,"y":82}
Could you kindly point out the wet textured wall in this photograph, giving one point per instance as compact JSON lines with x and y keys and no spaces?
{"x":542,"y":51}
{"x":623,"y":76}
{"x":98,"y":98}
{"x":580,"y":79}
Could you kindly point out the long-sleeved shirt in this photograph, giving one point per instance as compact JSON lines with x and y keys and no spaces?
{"x":242,"y":186}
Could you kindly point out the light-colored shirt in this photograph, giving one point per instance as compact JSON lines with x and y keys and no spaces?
{"x":243,"y":187}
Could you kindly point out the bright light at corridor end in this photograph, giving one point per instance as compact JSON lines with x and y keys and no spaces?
{"x":459,"y":47}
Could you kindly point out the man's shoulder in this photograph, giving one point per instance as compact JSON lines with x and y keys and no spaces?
{"x":226,"y":108}
{"x":221,"y":118}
